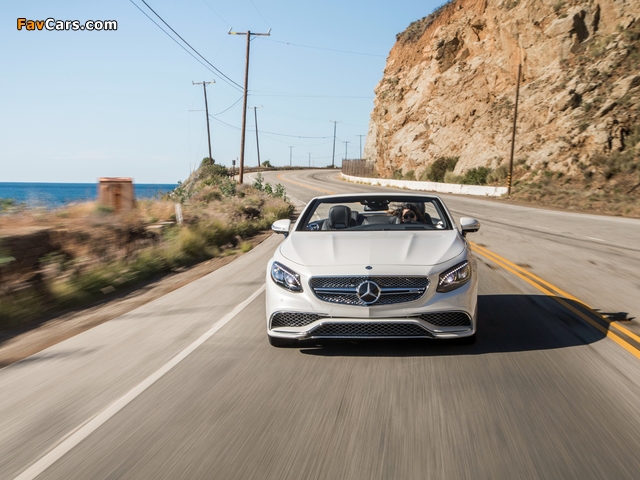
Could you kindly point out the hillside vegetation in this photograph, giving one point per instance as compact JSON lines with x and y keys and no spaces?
{"x":54,"y":259}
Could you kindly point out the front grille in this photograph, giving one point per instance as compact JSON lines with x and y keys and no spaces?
{"x":447,"y":319}
{"x":349,"y":330}
{"x":293,"y":319}
{"x":394,"y":290}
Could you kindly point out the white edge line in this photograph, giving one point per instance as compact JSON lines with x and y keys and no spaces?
{"x":75,"y":437}
{"x":598,"y":239}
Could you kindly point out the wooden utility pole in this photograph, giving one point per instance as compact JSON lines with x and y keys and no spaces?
{"x":290,"y":156}
{"x":244,"y":103}
{"x":346,"y":147}
{"x":206,"y":109}
{"x":255,"y":115}
{"x":513,"y":134}
{"x":360,"y":144}
{"x":333,"y":157}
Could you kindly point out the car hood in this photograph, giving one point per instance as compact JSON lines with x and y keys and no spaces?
{"x":372,"y":248}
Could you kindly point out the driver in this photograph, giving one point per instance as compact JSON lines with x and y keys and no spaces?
{"x":408,"y":213}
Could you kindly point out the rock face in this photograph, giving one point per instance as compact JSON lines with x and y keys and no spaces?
{"x":449,"y":86}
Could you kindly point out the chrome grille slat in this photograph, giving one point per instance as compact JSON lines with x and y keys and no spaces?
{"x":342,"y":290}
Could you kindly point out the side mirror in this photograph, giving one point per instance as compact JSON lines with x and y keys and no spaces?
{"x":469,"y":225}
{"x":282,"y":226}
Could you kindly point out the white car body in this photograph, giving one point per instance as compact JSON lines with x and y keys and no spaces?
{"x":403,"y":267}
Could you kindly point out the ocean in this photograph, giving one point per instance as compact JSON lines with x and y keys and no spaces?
{"x":53,"y":195}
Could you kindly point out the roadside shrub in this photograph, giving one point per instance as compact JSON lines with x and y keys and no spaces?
{"x":441,"y":166}
{"x":410,"y":175}
{"x":451,"y":177}
{"x":476,"y":176}
{"x":499,"y":175}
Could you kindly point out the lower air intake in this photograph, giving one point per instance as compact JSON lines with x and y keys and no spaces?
{"x":291,"y":319}
{"x":447,"y":319}
{"x":351,"y":330}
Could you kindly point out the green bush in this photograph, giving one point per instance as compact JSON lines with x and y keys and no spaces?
{"x":410,"y":175}
{"x":451,"y":177}
{"x":441,"y":166}
{"x":476,"y":176}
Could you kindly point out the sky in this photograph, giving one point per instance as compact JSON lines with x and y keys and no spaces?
{"x":79,"y":105}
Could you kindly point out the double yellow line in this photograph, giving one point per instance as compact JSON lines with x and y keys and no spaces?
{"x":603,"y":324}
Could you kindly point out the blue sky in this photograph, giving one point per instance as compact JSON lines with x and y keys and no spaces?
{"x":78,"y":105}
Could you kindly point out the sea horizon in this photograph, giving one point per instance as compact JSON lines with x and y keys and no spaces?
{"x":58,"y":194}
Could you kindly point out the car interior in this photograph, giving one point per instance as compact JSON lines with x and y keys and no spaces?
{"x":376,"y":214}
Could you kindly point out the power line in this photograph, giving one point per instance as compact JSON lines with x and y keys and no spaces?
{"x":187,"y":43}
{"x":168,"y":35}
{"x":217,"y":14}
{"x":229,"y":108}
{"x":259,"y":13}
{"x":307,"y":95}
{"x":224,"y":123}
{"x":292,"y":136}
{"x":329,"y":49}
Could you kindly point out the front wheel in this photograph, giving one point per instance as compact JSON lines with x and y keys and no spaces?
{"x":282,"y":342}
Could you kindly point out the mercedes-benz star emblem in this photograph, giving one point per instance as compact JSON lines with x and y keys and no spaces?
{"x":368,"y":292}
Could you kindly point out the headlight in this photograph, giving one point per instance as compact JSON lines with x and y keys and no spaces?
{"x":285,"y":277}
{"x":454,"y":277}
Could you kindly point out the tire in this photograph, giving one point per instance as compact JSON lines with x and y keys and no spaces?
{"x":282,"y":342}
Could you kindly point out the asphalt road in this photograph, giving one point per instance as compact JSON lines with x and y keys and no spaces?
{"x":188,"y":387}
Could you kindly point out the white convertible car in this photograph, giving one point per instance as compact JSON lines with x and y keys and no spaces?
{"x":372,"y":266}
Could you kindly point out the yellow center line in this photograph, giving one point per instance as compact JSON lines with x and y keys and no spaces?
{"x":304,"y":185}
{"x":558,"y":291}
{"x":552,"y":292}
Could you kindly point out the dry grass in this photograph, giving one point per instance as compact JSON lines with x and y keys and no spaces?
{"x":91,"y":252}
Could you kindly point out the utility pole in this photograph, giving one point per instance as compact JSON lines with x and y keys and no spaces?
{"x":255,"y":114}
{"x":360,"y":144}
{"x":206,"y":109}
{"x":309,"y":159}
{"x":290,"y":156}
{"x":244,"y":103}
{"x":346,"y":146}
{"x":513,"y":134}
{"x":333,"y":157}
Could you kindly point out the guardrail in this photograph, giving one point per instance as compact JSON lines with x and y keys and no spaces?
{"x":454,"y":188}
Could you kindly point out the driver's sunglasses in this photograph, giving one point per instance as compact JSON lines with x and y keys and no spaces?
{"x":409,"y":215}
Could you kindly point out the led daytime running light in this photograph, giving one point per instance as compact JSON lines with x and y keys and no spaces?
{"x":454,"y":277}
{"x":285,"y":278}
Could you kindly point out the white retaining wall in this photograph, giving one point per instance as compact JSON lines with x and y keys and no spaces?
{"x":430,"y":186}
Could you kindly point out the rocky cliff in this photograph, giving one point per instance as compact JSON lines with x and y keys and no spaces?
{"x":449,"y":87}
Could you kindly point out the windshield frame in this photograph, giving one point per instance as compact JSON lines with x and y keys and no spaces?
{"x":312,"y":206}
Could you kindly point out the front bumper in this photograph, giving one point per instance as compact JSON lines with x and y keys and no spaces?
{"x":302,"y":316}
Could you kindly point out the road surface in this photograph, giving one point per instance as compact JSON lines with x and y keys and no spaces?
{"x":188,"y":387}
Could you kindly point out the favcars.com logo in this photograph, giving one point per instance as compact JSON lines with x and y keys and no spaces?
{"x":59,"y":25}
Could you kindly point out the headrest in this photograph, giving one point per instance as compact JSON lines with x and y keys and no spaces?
{"x":339,"y":216}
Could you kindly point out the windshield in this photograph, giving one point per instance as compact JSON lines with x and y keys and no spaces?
{"x":375,"y":213}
